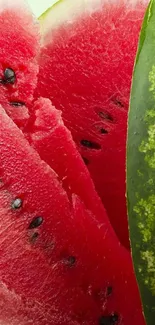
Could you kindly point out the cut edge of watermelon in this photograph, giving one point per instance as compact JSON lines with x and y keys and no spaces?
{"x":48,"y":120}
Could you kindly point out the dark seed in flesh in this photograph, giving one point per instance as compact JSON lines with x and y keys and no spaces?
{"x":34,"y":237}
{"x":108,"y":320}
{"x":9,"y":76}
{"x":36,"y":222}
{"x":17,"y":104}
{"x":17,"y":204}
{"x":90,"y":144}
{"x":109,"y":291}
{"x":71,"y":260}
{"x":114,"y":319}
{"x":105,"y":116}
{"x":118,"y":102}
{"x":103,"y":131}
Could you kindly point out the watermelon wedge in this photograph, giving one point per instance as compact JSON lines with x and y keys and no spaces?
{"x":19,"y":48}
{"x":86,"y":63}
{"x":57,"y":261}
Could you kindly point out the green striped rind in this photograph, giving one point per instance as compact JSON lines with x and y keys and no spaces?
{"x":45,"y":13}
{"x":141,"y":165}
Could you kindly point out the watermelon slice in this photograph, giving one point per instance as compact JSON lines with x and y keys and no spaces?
{"x":57,"y":261}
{"x":19,"y":47}
{"x":86,"y":63}
{"x":47,"y":133}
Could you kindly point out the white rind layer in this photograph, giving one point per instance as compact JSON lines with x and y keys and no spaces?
{"x":67,"y":11}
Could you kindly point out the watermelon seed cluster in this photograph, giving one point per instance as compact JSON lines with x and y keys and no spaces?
{"x":104,"y":116}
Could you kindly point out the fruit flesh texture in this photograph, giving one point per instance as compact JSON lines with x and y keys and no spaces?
{"x":38,"y":271}
{"x":47,"y":133}
{"x":85,"y":69}
{"x":67,"y":160}
{"x":18,"y":51}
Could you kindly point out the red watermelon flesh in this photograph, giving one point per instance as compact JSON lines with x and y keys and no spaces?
{"x":55,"y":257}
{"x":86,"y":66}
{"x":47,"y":133}
{"x":19,"y":47}
{"x":62,"y":157}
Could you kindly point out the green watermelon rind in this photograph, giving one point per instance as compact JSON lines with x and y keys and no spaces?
{"x":141,"y":165}
{"x":45,"y":13}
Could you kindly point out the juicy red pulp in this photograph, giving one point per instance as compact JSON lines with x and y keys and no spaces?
{"x":18,"y":62}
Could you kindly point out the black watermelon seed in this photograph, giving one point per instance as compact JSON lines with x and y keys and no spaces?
{"x":90,"y":144}
{"x":34,"y":237}
{"x":103,"y":131}
{"x":118,"y":102}
{"x":9,"y":76}
{"x":109,"y":291}
{"x":114,"y":319}
{"x":36,"y":222}
{"x":109,"y":320}
{"x":17,"y":204}
{"x":105,"y":116}
{"x":71,"y":260}
{"x":86,"y":160}
{"x":17,"y":104}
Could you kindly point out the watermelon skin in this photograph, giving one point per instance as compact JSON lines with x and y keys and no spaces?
{"x":19,"y":48}
{"x":86,"y":66}
{"x":38,"y":271}
{"x":47,"y":133}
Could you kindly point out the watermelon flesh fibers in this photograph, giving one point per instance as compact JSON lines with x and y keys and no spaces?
{"x":54,"y":255}
{"x":86,"y":63}
{"x":47,"y":133}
